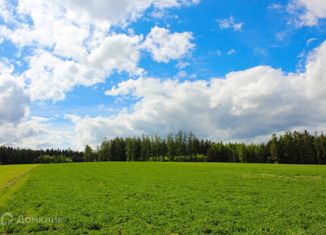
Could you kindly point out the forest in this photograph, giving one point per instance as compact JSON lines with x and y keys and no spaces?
{"x":290,"y":147}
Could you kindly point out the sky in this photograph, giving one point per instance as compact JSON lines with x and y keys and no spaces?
{"x":73,"y":72}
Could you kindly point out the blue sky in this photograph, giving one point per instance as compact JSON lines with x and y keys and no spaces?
{"x":231,"y":70}
{"x":256,"y":44}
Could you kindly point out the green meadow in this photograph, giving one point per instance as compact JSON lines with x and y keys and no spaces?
{"x":11,"y":177}
{"x":163,"y":198}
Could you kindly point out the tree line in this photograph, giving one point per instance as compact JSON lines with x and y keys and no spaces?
{"x":291,"y":147}
{"x":10,"y":155}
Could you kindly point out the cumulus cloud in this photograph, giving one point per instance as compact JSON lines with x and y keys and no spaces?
{"x":245,"y":105}
{"x":14,"y":101}
{"x":35,"y":132}
{"x":17,"y":127}
{"x":50,"y":76}
{"x":5,"y":10}
{"x":117,"y":12}
{"x":67,"y":51}
{"x":308,"y":11}
{"x":165,"y":46}
{"x":174,"y":3}
{"x":230,"y":23}
{"x":71,"y":43}
{"x":118,"y":52}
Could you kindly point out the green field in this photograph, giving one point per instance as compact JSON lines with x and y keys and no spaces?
{"x":166,"y":198}
{"x":11,"y":177}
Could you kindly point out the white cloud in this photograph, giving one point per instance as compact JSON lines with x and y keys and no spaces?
{"x":230,"y":23}
{"x":276,"y":6}
{"x":231,"y":51}
{"x":80,"y":56}
{"x":68,"y":52}
{"x":219,"y":52}
{"x":50,"y":77}
{"x":308,"y":11}
{"x":165,"y":46}
{"x":117,"y":12}
{"x":36,"y":133}
{"x":72,"y":42}
{"x":17,"y":128}
{"x":182,"y":65}
{"x":14,"y":101}
{"x":5,"y":10}
{"x":215,"y":53}
{"x":118,"y":52}
{"x":246,"y":105}
{"x":310,"y":40}
{"x":174,"y":3}
{"x":69,"y":43}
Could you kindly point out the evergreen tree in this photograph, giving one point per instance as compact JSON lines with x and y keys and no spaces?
{"x":274,"y":148}
{"x":88,"y":154}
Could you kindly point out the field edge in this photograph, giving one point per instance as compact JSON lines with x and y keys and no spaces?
{"x":13,"y":185}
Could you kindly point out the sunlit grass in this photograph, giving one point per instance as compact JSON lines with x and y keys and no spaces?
{"x":166,"y":198}
{"x":11,"y":175}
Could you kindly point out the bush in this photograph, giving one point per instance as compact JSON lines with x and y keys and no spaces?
{"x":194,"y":158}
{"x":54,"y":159}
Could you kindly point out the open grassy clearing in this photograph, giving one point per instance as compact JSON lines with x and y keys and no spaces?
{"x":11,"y":177}
{"x":166,"y":198}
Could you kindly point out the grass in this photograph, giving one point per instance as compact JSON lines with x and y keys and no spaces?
{"x":11,"y":178}
{"x":171,"y":198}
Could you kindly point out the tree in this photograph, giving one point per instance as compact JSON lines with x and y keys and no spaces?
{"x":291,"y":147}
{"x":156,"y":146}
{"x":88,"y":154}
{"x":132,"y":149}
{"x":242,"y":153}
{"x":274,"y":149}
{"x":192,"y":144}
{"x":117,"y":150}
{"x":170,"y":147}
{"x":104,"y":151}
